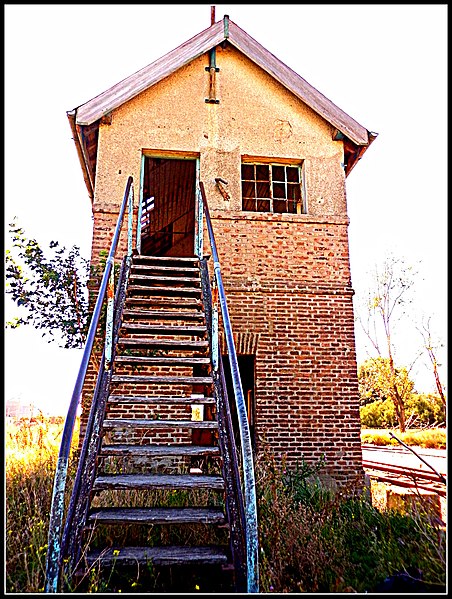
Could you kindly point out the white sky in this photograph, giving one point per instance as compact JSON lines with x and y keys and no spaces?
{"x":383,"y":64}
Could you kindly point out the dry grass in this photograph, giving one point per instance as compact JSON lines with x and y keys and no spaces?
{"x":311,"y":541}
{"x":429,"y":438}
{"x":31,"y":451}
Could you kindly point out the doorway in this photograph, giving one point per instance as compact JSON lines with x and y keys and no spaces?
{"x":168,"y":206}
{"x":246,"y":365}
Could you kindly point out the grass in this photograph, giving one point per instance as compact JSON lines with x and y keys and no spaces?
{"x":311,"y":539}
{"x":31,"y":451}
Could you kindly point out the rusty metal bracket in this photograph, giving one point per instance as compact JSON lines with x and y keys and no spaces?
{"x":219,"y":183}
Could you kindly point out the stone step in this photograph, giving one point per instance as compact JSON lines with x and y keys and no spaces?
{"x":160,"y":400}
{"x":158,"y":481}
{"x":111,"y":423}
{"x":157,"y":515}
{"x":153,"y":451}
{"x":159,"y":556}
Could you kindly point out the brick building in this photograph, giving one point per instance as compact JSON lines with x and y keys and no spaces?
{"x":273,"y":154}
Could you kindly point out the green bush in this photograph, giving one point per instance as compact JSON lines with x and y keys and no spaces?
{"x":378,"y":414}
{"x":421,"y":410}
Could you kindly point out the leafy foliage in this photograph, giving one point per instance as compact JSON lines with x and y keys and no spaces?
{"x":423,"y":410}
{"x":50,"y":290}
{"x":376,"y":382}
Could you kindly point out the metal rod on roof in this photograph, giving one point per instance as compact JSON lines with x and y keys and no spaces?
{"x":212,"y":15}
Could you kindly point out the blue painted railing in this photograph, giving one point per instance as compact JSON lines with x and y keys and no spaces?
{"x":251,"y":526}
{"x":59,"y":485}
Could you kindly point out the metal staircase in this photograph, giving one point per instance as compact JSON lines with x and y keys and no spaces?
{"x":160,"y":483}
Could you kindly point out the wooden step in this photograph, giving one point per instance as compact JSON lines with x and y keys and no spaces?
{"x":160,"y":279}
{"x":163,"y":314}
{"x":158,"y":481}
{"x":155,"y":329}
{"x":151,"y":380}
{"x":110,"y":423}
{"x":140,"y":259}
{"x":157,"y":515}
{"x":166,"y":302}
{"x":173,"y":291}
{"x":153,"y":451}
{"x":159,"y":556}
{"x":162,"y":360}
{"x":144,"y":342}
{"x":177,"y":268}
{"x":160,"y":400}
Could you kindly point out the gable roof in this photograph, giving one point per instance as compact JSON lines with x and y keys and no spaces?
{"x":84,"y":119}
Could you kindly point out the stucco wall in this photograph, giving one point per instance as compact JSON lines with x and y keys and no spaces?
{"x":255,"y":116}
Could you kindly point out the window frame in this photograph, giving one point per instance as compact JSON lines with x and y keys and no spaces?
{"x":271,"y":182}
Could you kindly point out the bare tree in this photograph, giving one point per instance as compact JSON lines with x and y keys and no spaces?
{"x":432,"y":351}
{"x":386,"y":305}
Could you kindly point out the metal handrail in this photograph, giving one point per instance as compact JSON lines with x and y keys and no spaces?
{"x":57,"y":504}
{"x":251,"y":527}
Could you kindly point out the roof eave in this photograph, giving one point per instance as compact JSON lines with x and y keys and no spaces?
{"x":72,"y":117}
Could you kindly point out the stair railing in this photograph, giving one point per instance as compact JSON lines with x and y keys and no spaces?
{"x":251,"y":528}
{"x":106,"y":289}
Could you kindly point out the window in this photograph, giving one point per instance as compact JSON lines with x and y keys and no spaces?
{"x":271,"y":188}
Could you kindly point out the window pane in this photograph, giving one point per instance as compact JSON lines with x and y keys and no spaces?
{"x":279,"y":190}
{"x":249,"y":204}
{"x":263,"y":190}
{"x":293,"y":192}
{"x":262,"y":172}
{"x":263,"y":205}
{"x":248,"y":171}
{"x":293,"y":174}
{"x":291,"y":207}
{"x":279,"y":206}
{"x":278,"y":173}
{"x":248,"y":189}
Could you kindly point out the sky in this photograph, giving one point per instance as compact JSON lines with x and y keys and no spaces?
{"x":385,"y":65}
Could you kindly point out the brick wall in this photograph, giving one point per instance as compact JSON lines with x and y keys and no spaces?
{"x":289,"y":294}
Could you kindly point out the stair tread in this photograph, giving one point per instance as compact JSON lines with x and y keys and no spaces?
{"x":159,"y":267}
{"x":163,"y":314}
{"x":159,"y":399}
{"x":163,"y":342}
{"x":168,"y":329}
{"x":162,"y":360}
{"x":188,"y":380}
{"x":147,"y":422}
{"x":165,"y":289}
{"x":158,"y":481}
{"x":159,"y":556}
{"x":142,"y":257}
{"x":176,"y":449}
{"x":158,"y":515}
{"x":167,"y":302}
{"x":163,"y":279}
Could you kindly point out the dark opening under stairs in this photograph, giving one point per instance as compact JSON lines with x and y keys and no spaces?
{"x":156,"y":501}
